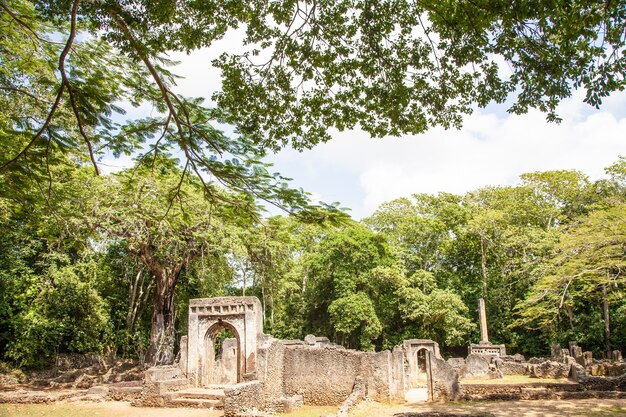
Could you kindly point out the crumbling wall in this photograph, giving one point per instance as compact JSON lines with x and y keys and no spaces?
{"x":377,"y":373}
{"x":243,"y":399}
{"x":445,"y":380}
{"x":324,"y":376}
{"x":270,"y":362}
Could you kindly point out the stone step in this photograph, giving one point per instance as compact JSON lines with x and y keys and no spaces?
{"x":199,"y":393}
{"x":195,"y":403}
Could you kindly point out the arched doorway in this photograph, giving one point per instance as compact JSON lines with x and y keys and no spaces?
{"x":419,"y":376}
{"x":421,"y":363}
{"x":221,"y":362}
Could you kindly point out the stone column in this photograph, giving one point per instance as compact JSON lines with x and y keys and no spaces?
{"x":484,"y":337}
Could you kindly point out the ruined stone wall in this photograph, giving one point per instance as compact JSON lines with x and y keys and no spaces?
{"x":271,"y":366}
{"x":242,"y":399}
{"x":445,"y":380}
{"x":377,"y":368}
{"x":324,"y":376}
{"x":384,"y":375}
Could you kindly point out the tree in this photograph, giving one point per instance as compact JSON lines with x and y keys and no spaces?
{"x":421,"y":227}
{"x":388,"y":67}
{"x":587,"y":265}
{"x":164,"y":220}
{"x":343,"y":272}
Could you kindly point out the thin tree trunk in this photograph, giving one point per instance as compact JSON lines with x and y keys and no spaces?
{"x":244,"y":283}
{"x":607,"y":323}
{"x":570,"y":316}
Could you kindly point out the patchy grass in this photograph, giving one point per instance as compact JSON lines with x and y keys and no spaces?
{"x":104,"y":409}
{"x":515,"y":379}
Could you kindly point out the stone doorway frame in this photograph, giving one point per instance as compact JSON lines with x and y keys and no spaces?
{"x":412,"y":347}
{"x":209,"y":337}
{"x":242,"y":315}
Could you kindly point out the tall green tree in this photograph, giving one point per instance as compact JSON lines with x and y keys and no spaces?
{"x":165,"y":221}
{"x":587,"y":265}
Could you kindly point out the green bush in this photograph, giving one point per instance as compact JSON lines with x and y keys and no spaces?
{"x":67,"y":315}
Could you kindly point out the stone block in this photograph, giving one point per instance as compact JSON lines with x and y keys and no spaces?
{"x":480,"y":367}
{"x":513,"y":368}
{"x":243,"y":399}
{"x":456,"y":363}
{"x":616,"y":356}
{"x":550,"y":370}
{"x":586,"y":359}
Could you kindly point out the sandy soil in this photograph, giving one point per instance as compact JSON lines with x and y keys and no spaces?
{"x":551,"y":408}
{"x":100,"y":409}
{"x":529,"y":408}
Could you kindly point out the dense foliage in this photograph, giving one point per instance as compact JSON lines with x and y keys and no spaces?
{"x":546,"y":254}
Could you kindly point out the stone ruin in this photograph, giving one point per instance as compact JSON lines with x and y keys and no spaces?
{"x":251,"y":372}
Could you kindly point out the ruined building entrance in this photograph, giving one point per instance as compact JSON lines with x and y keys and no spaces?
{"x":222,"y":340}
{"x":222,"y":359}
{"x":421,"y":376}
{"x":419,"y":353}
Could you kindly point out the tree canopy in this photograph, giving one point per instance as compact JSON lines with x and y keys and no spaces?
{"x":389,"y":68}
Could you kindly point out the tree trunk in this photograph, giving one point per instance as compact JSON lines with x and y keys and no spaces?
{"x":162,"y":337}
{"x":570,"y":316}
{"x":607,"y":323}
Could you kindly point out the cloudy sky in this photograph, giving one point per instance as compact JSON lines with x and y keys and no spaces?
{"x":493,"y":148}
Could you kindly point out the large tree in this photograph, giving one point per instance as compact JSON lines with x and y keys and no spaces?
{"x":388,"y":67}
{"x":165,"y":221}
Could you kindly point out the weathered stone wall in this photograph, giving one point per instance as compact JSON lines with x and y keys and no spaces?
{"x":324,"y":376}
{"x":377,"y":372}
{"x":270,"y":367}
{"x":243,"y":399}
{"x":445,"y":380}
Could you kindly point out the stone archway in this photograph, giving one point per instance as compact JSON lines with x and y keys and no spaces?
{"x":222,"y":361}
{"x":419,"y":355}
{"x":243,"y":316}
{"x":421,"y":366}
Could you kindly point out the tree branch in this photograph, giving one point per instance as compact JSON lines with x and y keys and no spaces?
{"x":57,"y":101}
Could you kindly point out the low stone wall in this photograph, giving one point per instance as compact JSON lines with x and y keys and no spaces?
{"x":326,"y":375}
{"x":516,"y":391}
{"x":243,"y":399}
{"x":158,"y":381}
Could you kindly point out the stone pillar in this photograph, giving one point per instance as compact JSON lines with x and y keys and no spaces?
{"x":484,"y":337}
{"x":182,"y":363}
{"x":616,"y":356}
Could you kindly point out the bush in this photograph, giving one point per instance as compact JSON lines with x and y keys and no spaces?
{"x":68,"y":315}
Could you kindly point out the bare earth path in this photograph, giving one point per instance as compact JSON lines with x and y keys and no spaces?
{"x":528,"y":408}
{"x":547,"y":408}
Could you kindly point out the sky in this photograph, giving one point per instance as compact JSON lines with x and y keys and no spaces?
{"x":493,"y":148}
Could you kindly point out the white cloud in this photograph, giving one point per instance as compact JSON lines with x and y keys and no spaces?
{"x":362,"y":173}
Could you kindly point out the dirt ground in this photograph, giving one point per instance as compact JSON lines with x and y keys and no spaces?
{"x":528,"y":408}
{"x":552,"y":408}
